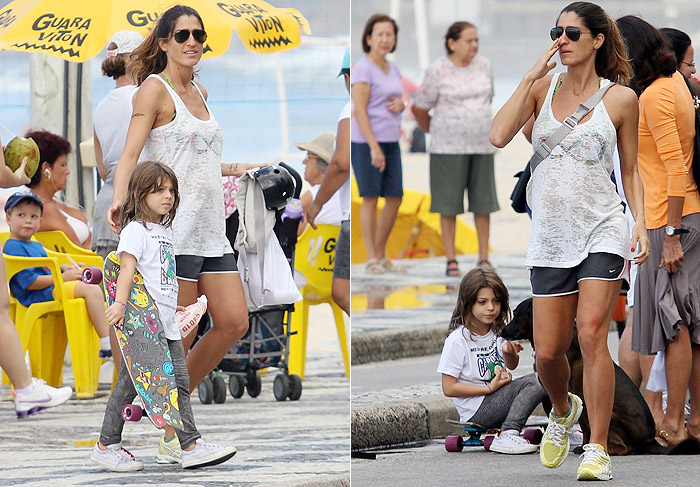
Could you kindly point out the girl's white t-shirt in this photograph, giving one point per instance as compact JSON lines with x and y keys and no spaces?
{"x":465,"y":356}
{"x":155,"y":260}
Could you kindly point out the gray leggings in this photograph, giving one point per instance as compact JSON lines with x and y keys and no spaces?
{"x":124,"y":393}
{"x":511,"y":405}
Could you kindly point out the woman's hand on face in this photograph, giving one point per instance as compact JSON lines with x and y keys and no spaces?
{"x":378,"y":159}
{"x":396,"y":104}
{"x":543,"y":66}
{"x":639,"y":236}
{"x":671,"y":254}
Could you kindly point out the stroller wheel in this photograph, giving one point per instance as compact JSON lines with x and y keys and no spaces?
{"x":205,"y":389}
{"x":219,"y":389}
{"x":254,"y":385}
{"x":281,"y":387}
{"x":235,"y":386}
{"x":294,"y":387}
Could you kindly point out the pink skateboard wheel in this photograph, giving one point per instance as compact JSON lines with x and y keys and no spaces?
{"x":92,"y":275}
{"x":454,"y":443}
{"x":131,"y":412}
{"x":487,"y":442}
{"x":533,"y":435}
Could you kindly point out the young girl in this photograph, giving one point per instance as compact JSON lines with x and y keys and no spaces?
{"x":473,"y":349}
{"x":146,"y":244}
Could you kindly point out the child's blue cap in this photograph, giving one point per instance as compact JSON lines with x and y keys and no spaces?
{"x":18,"y":198}
{"x":346,"y":61}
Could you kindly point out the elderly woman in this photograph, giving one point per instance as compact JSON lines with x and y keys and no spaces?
{"x":458,"y":89}
{"x":666,"y":315}
{"x":318,"y":155}
{"x":681,"y":46}
{"x":376,"y":128}
{"x":49,"y":179}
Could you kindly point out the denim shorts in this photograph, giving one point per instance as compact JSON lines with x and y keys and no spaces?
{"x":601,"y":266}
{"x":341,"y":268}
{"x":370,"y":181}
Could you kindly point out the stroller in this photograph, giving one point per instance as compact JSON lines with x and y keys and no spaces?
{"x":266,"y":344}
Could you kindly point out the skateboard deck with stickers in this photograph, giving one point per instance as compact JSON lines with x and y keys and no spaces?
{"x":145,"y":350}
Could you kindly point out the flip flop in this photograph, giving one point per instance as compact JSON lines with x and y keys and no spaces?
{"x":374,"y":266}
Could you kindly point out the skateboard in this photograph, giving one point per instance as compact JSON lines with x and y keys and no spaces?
{"x":478,"y":435}
{"x":145,"y":350}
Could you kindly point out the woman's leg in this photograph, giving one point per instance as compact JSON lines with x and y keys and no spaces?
{"x":553,"y":322}
{"x":448,"y":225}
{"x":678,"y":359}
{"x":368,"y":225}
{"x":596,"y":304}
{"x":387,"y":218}
{"x":694,"y":421}
{"x":482,"y":222}
{"x":654,"y":399}
{"x":629,"y":359}
{"x":229,"y":314}
{"x":11,"y":356}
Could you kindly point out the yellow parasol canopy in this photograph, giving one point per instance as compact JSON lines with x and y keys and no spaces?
{"x":77,"y":30}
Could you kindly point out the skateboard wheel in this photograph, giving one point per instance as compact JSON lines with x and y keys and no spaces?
{"x":533,"y":435}
{"x":281,"y":387}
{"x":487,"y":442}
{"x":454,"y":443}
{"x":294,"y":387}
{"x":131,"y":412}
{"x":92,"y":275}
{"x":236,"y":386}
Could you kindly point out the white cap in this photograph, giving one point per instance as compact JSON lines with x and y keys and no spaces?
{"x":126,"y":41}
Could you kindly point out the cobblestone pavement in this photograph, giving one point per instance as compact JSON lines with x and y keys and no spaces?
{"x":300,"y":443}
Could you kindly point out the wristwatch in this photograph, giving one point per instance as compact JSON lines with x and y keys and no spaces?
{"x":671,"y":231}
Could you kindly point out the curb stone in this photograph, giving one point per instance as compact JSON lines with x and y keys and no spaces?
{"x":391,"y":345}
{"x":327,"y":481}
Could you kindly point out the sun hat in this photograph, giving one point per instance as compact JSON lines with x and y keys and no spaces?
{"x":323,"y":146}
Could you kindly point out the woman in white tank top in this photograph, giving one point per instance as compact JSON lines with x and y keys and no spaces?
{"x":172,"y":121}
{"x":579,"y":230}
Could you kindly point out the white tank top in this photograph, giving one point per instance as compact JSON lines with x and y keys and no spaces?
{"x":192,"y":148}
{"x":575,"y":207}
{"x":332,"y":211}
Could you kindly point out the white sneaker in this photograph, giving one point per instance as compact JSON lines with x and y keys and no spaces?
{"x":115,"y":458}
{"x":512,"y":444}
{"x":42,"y":397}
{"x":205,"y":454}
{"x":169,"y":451}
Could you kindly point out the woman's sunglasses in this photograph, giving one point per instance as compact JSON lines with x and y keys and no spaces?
{"x":573,"y":33}
{"x":181,"y":36}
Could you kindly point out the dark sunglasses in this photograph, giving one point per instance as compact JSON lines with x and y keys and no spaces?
{"x":181,"y":36}
{"x":573,"y":33}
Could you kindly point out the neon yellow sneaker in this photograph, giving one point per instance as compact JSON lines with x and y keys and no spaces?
{"x":555,"y":442}
{"x":595,"y":464}
{"x":169,"y":451}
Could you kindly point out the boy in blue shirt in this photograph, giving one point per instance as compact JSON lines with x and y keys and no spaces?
{"x":23,"y":213}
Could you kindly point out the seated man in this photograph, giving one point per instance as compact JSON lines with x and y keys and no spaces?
{"x":23,"y":212}
{"x":318,"y":155}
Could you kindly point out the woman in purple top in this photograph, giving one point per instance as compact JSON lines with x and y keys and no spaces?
{"x":376,"y":126}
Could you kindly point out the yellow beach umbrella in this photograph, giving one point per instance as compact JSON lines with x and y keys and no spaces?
{"x":77,"y":30}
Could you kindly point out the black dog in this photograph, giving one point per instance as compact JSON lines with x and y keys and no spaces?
{"x":632,"y":428}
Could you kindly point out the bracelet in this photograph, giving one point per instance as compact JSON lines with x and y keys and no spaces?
{"x":119,"y":302}
{"x":489,"y":386}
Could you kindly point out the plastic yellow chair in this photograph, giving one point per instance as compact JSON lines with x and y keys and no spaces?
{"x":46,"y":328}
{"x":58,"y":241}
{"x":314,"y":257}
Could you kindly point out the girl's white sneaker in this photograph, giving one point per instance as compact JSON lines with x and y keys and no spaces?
{"x":115,"y":458}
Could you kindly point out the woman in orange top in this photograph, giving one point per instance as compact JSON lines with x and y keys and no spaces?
{"x":665,"y":315}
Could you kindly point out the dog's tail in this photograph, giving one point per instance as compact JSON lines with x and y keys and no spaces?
{"x":689,"y":446}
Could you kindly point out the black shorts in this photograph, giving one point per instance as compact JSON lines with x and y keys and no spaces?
{"x":551,"y":281}
{"x":189,"y":267}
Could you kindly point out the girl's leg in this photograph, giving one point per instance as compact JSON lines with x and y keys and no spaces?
{"x":113,"y":423}
{"x":511,"y":405}
{"x":229,"y":314}
{"x":190,"y":434}
{"x":553,"y":322}
{"x":596,"y":304}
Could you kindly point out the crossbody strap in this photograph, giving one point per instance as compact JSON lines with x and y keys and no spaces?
{"x":570,"y":122}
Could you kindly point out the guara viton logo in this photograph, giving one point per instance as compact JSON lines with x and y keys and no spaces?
{"x":55,"y":33}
